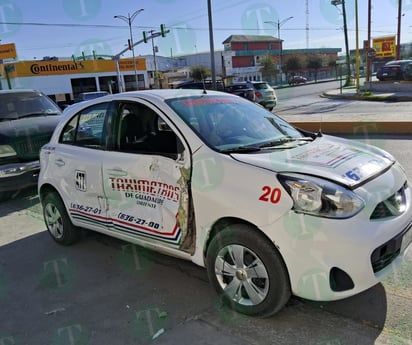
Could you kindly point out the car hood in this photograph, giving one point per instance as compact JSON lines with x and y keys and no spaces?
{"x":27,"y":135}
{"x":347,"y":162}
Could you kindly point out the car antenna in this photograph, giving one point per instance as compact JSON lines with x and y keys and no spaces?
{"x":319,"y":134}
{"x":203,"y":83}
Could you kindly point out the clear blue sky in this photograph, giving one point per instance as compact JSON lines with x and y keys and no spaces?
{"x":61,"y":28}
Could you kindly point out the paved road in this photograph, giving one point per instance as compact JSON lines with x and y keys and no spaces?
{"x":104,"y":291}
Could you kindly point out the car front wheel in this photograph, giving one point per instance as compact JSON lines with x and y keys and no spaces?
{"x":57,"y":220}
{"x":247,"y":271}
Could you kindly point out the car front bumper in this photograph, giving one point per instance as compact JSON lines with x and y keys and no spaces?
{"x":331,"y":259}
{"x":18,"y":176}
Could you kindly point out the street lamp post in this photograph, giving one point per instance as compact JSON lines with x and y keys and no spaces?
{"x":129,"y":20}
{"x":279,"y":24}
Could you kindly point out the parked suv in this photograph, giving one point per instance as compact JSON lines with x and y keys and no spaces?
{"x":265,"y":95}
{"x":395,"y":70}
{"x":27,"y":121}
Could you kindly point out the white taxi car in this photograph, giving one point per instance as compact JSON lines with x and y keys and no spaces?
{"x":210,"y":177}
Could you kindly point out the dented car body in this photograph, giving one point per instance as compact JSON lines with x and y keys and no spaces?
{"x":268,"y":209}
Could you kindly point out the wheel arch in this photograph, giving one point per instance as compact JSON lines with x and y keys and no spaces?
{"x":46,"y":189}
{"x":222,"y":223}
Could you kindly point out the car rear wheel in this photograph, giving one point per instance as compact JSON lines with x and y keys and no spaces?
{"x":247,"y":271}
{"x":57,"y":220}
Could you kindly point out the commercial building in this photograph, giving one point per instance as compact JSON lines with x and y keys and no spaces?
{"x":64,"y":79}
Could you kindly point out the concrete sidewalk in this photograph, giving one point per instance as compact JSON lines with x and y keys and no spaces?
{"x":400,"y":126}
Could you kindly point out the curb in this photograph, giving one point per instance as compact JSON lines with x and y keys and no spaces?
{"x":374,"y":97}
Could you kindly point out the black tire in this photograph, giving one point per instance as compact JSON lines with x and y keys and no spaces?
{"x":57,"y":220}
{"x":264,"y":293}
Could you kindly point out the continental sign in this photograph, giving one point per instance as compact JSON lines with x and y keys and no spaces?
{"x":47,"y":68}
{"x":7,"y":51}
{"x":384,"y":46}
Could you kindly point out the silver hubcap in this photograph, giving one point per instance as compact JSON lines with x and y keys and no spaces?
{"x":242,"y":275}
{"x":53,"y":220}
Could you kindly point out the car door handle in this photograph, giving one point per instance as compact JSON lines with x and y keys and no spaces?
{"x":116,"y":172}
{"x":59,"y":162}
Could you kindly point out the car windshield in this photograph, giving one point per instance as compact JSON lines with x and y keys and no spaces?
{"x":24,"y":104}
{"x":230,"y":124}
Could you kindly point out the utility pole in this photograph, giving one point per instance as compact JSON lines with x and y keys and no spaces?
{"x":212,"y":46}
{"x":345,"y":30}
{"x":279,"y":24}
{"x":398,"y":38}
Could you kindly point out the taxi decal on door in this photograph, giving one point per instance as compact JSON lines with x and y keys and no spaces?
{"x":146,"y":228}
{"x":126,"y":223}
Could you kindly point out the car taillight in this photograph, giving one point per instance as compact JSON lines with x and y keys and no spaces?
{"x":258,"y":94}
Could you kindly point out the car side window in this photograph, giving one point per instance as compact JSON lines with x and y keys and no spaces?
{"x":86,"y":128}
{"x":142,"y":130}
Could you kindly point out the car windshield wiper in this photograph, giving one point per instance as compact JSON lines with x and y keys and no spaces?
{"x":284,"y":140}
{"x":241,"y":149}
{"x":38,"y":113}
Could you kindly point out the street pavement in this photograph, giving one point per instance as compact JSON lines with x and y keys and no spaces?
{"x":100,"y":301}
{"x":399,"y":123}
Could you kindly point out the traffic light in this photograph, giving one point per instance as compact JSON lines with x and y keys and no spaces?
{"x":162,"y":30}
{"x":144,"y":37}
{"x":129,"y":44}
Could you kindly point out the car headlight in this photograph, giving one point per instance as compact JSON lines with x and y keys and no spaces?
{"x":6,"y":151}
{"x":319,"y":197}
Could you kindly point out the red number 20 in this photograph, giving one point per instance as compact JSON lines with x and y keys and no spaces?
{"x":270,"y":194}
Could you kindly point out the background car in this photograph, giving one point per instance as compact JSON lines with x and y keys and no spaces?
{"x":395,"y":70}
{"x":242,"y":90}
{"x":27,"y":121}
{"x":87,"y":96}
{"x":265,"y":95}
{"x":297,"y":79}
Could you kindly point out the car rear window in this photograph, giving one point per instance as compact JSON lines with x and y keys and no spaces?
{"x":261,"y":86}
{"x":23,"y":104}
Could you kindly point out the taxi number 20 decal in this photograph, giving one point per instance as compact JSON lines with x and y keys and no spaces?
{"x":270,"y":194}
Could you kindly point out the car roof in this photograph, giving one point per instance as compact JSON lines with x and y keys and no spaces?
{"x":149,"y":95}
{"x":394,"y":62}
{"x":19,"y":91}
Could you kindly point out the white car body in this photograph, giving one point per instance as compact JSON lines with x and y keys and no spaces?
{"x":174,"y":205}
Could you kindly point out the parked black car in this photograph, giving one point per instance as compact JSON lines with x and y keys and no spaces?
{"x":242,"y":90}
{"x":27,"y":121}
{"x":395,"y":70}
